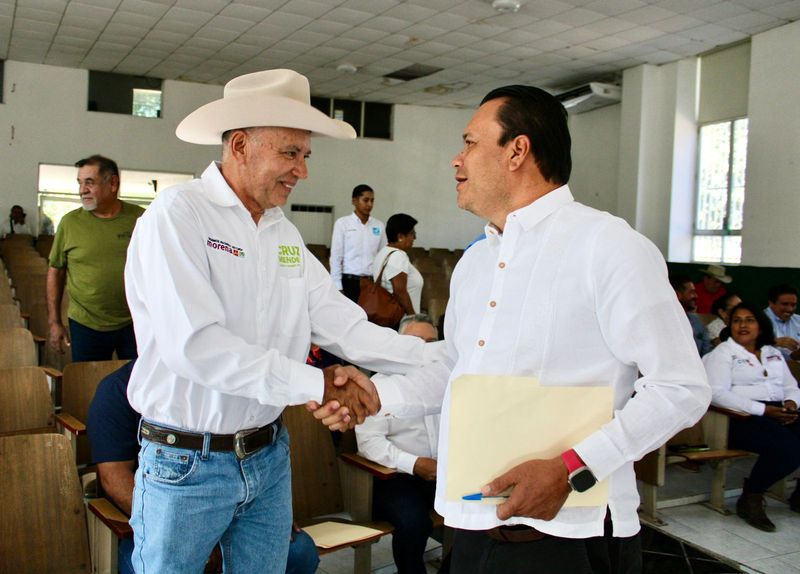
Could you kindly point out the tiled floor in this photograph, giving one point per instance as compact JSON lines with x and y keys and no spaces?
{"x":695,"y":539}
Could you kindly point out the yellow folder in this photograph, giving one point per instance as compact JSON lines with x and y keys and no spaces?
{"x":499,"y":422}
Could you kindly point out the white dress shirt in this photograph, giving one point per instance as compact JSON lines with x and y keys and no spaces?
{"x":225,"y":310}
{"x":715,"y":327}
{"x":354,"y":245}
{"x":739,"y":381}
{"x":572,"y":296}
{"x":398,"y":443}
{"x":396,"y":264}
{"x":19,"y":228}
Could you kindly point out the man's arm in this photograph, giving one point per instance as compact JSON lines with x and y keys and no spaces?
{"x":374,"y":444}
{"x":57,"y":335}
{"x":116,"y":478}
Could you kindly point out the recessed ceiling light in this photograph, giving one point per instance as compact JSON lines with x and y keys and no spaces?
{"x":346,"y":68}
{"x":506,"y":6}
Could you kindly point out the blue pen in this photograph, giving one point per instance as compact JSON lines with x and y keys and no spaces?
{"x":478,"y":497}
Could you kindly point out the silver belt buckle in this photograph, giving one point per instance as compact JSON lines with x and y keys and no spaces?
{"x":238,"y":443}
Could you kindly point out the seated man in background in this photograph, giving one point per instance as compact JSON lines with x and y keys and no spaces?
{"x":15,"y":224}
{"x":687,"y":297}
{"x":781,"y":311}
{"x":410,"y":446}
{"x":113,"y":427}
{"x":711,"y":287}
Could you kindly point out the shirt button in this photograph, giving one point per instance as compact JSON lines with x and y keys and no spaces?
{"x":493,"y":304}
{"x":481,"y":343}
{"x":501,"y":265}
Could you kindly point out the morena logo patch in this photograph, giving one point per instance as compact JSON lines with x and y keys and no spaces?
{"x":220,"y":245}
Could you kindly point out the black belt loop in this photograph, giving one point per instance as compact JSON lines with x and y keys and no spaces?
{"x":243,"y":443}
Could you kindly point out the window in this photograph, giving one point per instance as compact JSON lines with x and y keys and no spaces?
{"x":123,"y":94}
{"x":720,"y":192}
{"x":369,"y":119}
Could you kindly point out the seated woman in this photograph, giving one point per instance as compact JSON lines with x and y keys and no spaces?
{"x":721,"y":307}
{"x":400,"y":277}
{"x":748,"y":374}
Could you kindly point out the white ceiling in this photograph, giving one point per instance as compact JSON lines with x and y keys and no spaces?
{"x":554,"y":44}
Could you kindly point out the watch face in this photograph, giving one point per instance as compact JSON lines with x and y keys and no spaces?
{"x":582,"y":480}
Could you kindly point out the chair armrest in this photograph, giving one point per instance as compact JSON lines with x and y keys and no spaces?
{"x":729,"y":412}
{"x":111,"y":516}
{"x":71,"y":424}
{"x":373,"y":468}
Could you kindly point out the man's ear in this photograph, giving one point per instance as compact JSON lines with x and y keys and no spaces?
{"x":519,"y":150}
{"x":238,"y":144}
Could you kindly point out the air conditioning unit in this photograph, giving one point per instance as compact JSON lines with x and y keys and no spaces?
{"x":589,"y":97}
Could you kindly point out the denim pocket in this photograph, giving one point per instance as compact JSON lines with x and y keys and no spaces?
{"x":170,"y":465}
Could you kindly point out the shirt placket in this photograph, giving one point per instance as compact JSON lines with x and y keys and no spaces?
{"x":486,"y":338}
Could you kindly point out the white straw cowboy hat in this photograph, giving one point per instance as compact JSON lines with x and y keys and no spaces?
{"x":274,"y":98}
{"x":717,"y":272}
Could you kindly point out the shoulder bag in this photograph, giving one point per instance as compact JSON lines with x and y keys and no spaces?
{"x":382,"y":307}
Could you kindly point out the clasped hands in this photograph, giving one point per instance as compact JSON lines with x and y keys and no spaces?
{"x":349,"y":398}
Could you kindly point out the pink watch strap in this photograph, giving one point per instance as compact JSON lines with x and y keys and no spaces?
{"x":572,"y":460}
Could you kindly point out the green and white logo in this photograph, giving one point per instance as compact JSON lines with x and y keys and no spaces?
{"x":289,"y":255}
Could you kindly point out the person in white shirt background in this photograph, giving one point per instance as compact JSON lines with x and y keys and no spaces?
{"x":408,"y":445}
{"x":571,"y":296}
{"x":721,"y":307}
{"x":749,"y":374}
{"x":400,"y":277}
{"x":15,"y":224}
{"x":221,"y":289}
{"x":356,"y":239}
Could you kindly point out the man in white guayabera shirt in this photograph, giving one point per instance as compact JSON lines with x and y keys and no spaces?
{"x":571,"y":296}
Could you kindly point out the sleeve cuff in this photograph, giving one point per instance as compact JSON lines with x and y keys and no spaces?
{"x":391,"y":398}
{"x":406,"y":462}
{"x":758,"y":409}
{"x":600,"y":455}
{"x":308,"y":384}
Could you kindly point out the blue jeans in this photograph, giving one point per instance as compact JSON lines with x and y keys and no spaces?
{"x":90,"y":345}
{"x":185,"y":501}
{"x":303,"y":555}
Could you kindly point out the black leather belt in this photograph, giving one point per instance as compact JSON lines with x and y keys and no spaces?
{"x":354,"y":277}
{"x":515,"y":533}
{"x":243,"y":443}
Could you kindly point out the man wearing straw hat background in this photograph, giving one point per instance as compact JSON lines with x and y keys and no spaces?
{"x":226,"y":301}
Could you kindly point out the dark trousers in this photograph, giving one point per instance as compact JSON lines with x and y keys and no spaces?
{"x":777,"y":445}
{"x":474,"y":552}
{"x":406,"y":501}
{"x":91,"y":345}
{"x":351,"y":287}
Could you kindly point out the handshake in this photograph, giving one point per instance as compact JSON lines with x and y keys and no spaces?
{"x":349,"y":398}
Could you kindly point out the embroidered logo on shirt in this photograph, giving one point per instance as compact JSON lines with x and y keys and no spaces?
{"x":220,"y":245}
{"x":376,"y":231}
{"x":289,"y":255}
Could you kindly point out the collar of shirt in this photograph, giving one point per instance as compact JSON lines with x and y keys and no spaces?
{"x":358,"y":220}
{"x":527,"y":217}
{"x":217,"y":190}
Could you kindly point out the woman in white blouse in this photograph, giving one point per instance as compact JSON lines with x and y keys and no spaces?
{"x":400,"y":277}
{"x":748,"y":374}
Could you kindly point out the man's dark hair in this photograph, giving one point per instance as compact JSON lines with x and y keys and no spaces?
{"x":397,"y":224}
{"x":534,"y":113}
{"x":721,"y":303}
{"x":106,"y":167}
{"x":766,"y":334}
{"x":782,"y":289}
{"x":361,"y":188}
{"x":678,"y":281}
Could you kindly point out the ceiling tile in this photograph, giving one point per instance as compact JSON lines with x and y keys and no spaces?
{"x":578,"y":17}
{"x":614,"y":7}
{"x":788,"y":10}
{"x":348,"y":16}
{"x":144,"y":7}
{"x":208,"y":6}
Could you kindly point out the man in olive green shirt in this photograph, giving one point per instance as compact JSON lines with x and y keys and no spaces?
{"x":88,"y":256}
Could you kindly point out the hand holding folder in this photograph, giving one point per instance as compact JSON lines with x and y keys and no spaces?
{"x":521,"y":421}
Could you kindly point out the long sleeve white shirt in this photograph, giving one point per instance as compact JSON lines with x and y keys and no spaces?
{"x":397,"y":443}
{"x":354,"y":245}
{"x":572,"y":296}
{"x":225,"y":310}
{"x":739,"y":381}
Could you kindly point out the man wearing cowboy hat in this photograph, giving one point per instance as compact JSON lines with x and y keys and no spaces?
{"x":226,"y":300}
{"x":711,"y":287}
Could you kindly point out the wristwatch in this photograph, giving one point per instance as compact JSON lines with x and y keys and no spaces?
{"x":580,"y":477}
